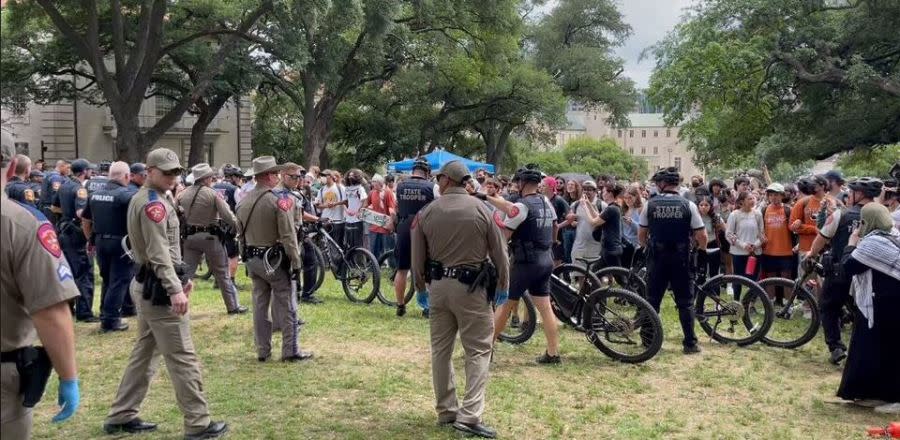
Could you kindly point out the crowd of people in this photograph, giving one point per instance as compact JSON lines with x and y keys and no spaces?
{"x":149,"y":225}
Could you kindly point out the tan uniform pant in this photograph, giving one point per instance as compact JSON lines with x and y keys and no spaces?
{"x":161,"y":333}
{"x":198,"y":245}
{"x":275,"y":290}
{"x":15,"y":419}
{"x":454,"y":309}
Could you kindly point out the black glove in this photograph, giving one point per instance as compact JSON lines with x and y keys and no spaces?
{"x":480,"y":196}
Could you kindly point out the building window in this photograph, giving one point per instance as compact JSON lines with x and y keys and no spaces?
{"x":620,"y":133}
{"x":631,"y":133}
{"x":164,"y":105}
{"x":655,"y":150}
{"x":643,"y":151}
{"x":655,"y":133}
{"x":668,"y":133}
{"x":678,"y":163}
{"x":595,"y":117}
{"x":22,"y":148}
{"x":631,"y":149}
{"x":643,"y":133}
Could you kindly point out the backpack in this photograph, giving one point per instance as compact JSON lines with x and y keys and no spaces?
{"x":795,"y":239}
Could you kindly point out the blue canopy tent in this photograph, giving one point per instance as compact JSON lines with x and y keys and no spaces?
{"x":436,"y":159}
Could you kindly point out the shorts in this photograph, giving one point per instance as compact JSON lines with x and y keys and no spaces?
{"x":531,"y":277}
{"x":558,"y":252}
{"x":353,"y":235}
{"x":231,"y":248}
{"x":773,"y":264}
{"x":403,"y":248}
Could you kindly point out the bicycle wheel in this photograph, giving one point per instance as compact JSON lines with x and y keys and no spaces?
{"x":797,"y":320}
{"x":321,"y":267}
{"x":577,"y":281}
{"x":622,"y":278}
{"x":522,"y":322}
{"x":727,"y":320}
{"x":388,"y":265}
{"x":361,"y":276}
{"x":622,"y":325}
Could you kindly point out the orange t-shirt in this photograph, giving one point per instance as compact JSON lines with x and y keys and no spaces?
{"x":805,"y":210}
{"x":777,"y":233}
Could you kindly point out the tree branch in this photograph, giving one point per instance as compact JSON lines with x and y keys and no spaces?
{"x":834,"y":75}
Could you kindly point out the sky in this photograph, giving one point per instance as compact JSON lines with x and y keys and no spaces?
{"x":650,"y":20}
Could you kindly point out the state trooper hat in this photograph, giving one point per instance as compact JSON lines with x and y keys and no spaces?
{"x":162,"y":158}
{"x":202,"y":170}
{"x":455,"y":170}
{"x":264,"y":164}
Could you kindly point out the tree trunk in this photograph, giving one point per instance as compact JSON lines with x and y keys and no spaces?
{"x":496,"y":139}
{"x":317,"y":133}
{"x":129,"y":145}
{"x":207,"y":113}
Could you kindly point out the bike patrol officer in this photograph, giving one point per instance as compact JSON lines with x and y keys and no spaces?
{"x":667,"y":222}
{"x":836,"y":231}
{"x":52,"y":182}
{"x":69,"y":202}
{"x":269,"y":248}
{"x":35,"y":287}
{"x":413,"y":194}
{"x":19,"y":188}
{"x":161,"y":290}
{"x":98,"y":181}
{"x":452,"y":238}
{"x":204,"y":237}
{"x":530,"y":223}
{"x":227,"y":188}
{"x":104,"y":221}
{"x":291,"y":177}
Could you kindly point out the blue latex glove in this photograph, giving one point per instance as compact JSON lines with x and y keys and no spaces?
{"x":422,"y":299}
{"x":501,"y":296}
{"x":69,"y":398}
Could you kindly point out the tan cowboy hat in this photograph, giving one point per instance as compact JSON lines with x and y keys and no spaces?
{"x":264,"y":164}
{"x":202,"y":170}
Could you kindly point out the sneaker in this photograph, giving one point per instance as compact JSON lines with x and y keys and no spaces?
{"x":426,"y":313}
{"x":838,"y":355}
{"x":514,"y":322}
{"x":311,"y":300}
{"x":401,"y":310}
{"x":888,"y":408}
{"x":691,"y":349}
{"x":547,"y":359}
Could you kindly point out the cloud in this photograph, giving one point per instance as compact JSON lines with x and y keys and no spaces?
{"x":650,"y":21}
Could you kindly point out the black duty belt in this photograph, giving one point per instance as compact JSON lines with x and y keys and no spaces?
{"x":211,"y":229}
{"x":109,"y":236}
{"x":256,"y":251}
{"x":12,"y":355}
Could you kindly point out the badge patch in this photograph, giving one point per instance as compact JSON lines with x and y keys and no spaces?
{"x":285,"y":204}
{"x":82,"y":194}
{"x":514,"y":211}
{"x":498,"y":218}
{"x":29,"y":196}
{"x":55,"y":186}
{"x":47,"y":237}
{"x":155,"y":211}
{"x":63,"y":272}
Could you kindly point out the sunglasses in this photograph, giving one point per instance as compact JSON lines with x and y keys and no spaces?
{"x":172,"y":173}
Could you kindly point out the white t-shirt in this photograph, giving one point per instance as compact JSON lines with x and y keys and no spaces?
{"x":332,"y":194}
{"x":584,"y":245}
{"x":356,"y":199}
{"x":244,"y":190}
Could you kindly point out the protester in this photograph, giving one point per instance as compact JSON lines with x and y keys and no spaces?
{"x":607,"y":225}
{"x":571,"y":195}
{"x":778,"y":254}
{"x":585,"y":246}
{"x":746,"y":233}
{"x":356,"y":198}
{"x":382,"y":201}
{"x":561,"y":208}
{"x":713,"y":225}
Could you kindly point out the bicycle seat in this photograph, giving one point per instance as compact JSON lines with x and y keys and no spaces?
{"x":589,"y":261}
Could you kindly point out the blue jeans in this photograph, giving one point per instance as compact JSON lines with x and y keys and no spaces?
{"x":568,"y":239}
{"x":380,"y":243}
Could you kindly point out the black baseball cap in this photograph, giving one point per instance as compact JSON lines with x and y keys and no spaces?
{"x":80,"y":165}
{"x":835,"y":176}
{"x":138,"y":168}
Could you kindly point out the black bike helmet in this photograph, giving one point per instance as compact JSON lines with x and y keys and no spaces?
{"x":528,"y":174}
{"x":422,"y":164}
{"x":232,"y":171}
{"x":869,"y":186}
{"x":104,"y":166}
{"x":668,"y":175}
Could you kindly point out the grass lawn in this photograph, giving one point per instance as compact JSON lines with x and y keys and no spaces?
{"x":371,"y":379}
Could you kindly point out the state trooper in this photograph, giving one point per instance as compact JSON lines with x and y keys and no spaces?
{"x":69,"y":202}
{"x":265,"y":220}
{"x":35,"y":287}
{"x":99,"y":180}
{"x":203,"y":207}
{"x":413,"y":194}
{"x":19,"y":188}
{"x":291,"y":177}
{"x":227,"y":187}
{"x":836,"y":231}
{"x":530,"y":224}
{"x":138,"y":175}
{"x":161,"y":291}
{"x":452,"y":239}
{"x":104,"y":221}
{"x":668,"y":221}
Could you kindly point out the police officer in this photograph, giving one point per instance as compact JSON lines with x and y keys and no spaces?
{"x":269,"y":246}
{"x":53,"y":180}
{"x":836,"y":231}
{"x":104,"y":221}
{"x":451,"y":238}
{"x":69,"y":202}
{"x":292,"y":176}
{"x":98,"y":181}
{"x":667,"y":223}
{"x":19,"y":188}
{"x":203,"y":207}
{"x":227,"y":188}
{"x":35,"y":287}
{"x":36,"y":180}
{"x":164,"y":328}
{"x":413,"y":194}
{"x":530,"y":223}
{"x":138,"y":175}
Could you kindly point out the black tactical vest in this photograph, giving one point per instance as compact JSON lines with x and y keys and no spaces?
{"x":669,"y":219}
{"x":413,"y":195}
{"x":109,"y":209}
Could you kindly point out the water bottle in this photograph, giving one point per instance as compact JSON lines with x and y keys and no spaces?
{"x":751,"y":266}
{"x":890,"y":431}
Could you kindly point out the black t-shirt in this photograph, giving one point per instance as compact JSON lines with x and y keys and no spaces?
{"x":611,"y":230}
{"x":561,"y":208}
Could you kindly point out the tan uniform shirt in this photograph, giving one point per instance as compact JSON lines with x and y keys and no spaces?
{"x":33,"y":272}
{"x":202,"y":206}
{"x":271,"y":221}
{"x":154,"y":235}
{"x":457,"y":229}
{"x":298,"y":207}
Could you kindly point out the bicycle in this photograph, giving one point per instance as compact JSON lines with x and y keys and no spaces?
{"x":355,"y":267}
{"x":711,"y":306}
{"x":617,"y":322}
{"x":387,"y":262}
{"x":797,"y":320}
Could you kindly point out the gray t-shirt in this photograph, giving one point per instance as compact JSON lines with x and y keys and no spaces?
{"x":584,"y":244}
